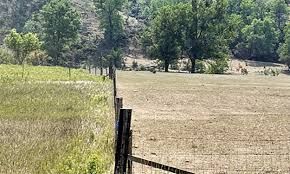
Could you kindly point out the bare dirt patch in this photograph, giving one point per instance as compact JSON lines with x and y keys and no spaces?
{"x":210,"y":123}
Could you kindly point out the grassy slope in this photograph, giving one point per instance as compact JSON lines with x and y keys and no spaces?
{"x":54,"y":127}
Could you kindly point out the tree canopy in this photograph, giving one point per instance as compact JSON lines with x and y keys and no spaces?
{"x":61,"y":24}
{"x":22,"y":45}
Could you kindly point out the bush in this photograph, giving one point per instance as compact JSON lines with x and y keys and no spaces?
{"x":142,"y":68}
{"x":272,"y":72}
{"x":174,"y":65}
{"x":135,"y":65}
{"x":219,"y":66}
{"x":6,"y":57}
{"x":153,"y":70}
{"x":38,"y":58}
{"x":200,"y":66}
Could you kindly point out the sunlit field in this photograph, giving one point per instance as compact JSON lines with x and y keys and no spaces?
{"x":209,"y":123}
{"x":53,"y":123}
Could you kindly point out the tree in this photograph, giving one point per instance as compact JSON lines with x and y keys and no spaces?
{"x":112,"y":25}
{"x":22,"y":45}
{"x":61,"y":23}
{"x":200,"y":29}
{"x":111,"y":21}
{"x":165,"y":43}
{"x":261,"y":38}
{"x":207,"y":32}
{"x":279,"y":12}
{"x":34,"y":25}
{"x":284,"y":49}
{"x":261,"y":30}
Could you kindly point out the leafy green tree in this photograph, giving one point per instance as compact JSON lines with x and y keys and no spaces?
{"x":261,"y":39}
{"x":111,"y":21}
{"x":247,"y":10}
{"x":22,"y":45}
{"x":284,"y":49}
{"x":112,"y":25}
{"x":279,"y":12}
{"x":61,"y":23}
{"x":165,"y":37}
{"x":207,"y":32}
{"x":234,"y":6}
{"x":260,"y":9}
{"x":35,"y":25}
{"x":263,"y":22}
{"x":200,"y":29}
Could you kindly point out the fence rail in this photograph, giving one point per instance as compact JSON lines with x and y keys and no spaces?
{"x":158,"y":165}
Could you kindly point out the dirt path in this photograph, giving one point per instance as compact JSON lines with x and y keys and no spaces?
{"x":210,"y":123}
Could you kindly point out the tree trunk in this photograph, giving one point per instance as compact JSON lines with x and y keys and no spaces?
{"x":101,"y":67}
{"x":23,"y":69}
{"x":192,"y":65}
{"x":166,"y":64}
{"x":111,"y":70}
{"x":101,"y":71}
{"x":69,"y":72}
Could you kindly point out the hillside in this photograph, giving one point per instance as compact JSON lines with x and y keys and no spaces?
{"x":14,"y":14}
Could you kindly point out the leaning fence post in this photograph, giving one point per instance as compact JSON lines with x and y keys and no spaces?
{"x":122,"y":150}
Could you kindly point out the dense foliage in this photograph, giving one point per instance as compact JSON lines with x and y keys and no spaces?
{"x":211,"y":30}
{"x":215,"y":29}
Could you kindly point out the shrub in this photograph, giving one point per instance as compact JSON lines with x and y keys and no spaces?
{"x":219,"y":66}
{"x":135,"y":65}
{"x":142,"y":68}
{"x":174,"y":65}
{"x":273,"y":72}
{"x":6,"y":57}
{"x":267,"y":72}
{"x":38,"y":58}
{"x":200,"y":66}
{"x":153,"y":70}
{"x":244,"y":71}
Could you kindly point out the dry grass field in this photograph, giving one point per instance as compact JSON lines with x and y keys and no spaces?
{"x":210,"y":123}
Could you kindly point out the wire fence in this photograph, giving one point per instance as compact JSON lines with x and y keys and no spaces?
{"x":209,"y":156}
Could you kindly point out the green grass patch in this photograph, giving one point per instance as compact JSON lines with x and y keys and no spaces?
{"x":49,"y":124}
{"x":43,"y":73}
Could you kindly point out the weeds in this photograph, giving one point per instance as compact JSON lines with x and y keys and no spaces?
{"x":51,"y":125}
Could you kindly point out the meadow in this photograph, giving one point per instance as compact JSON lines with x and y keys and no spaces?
{"x":53,"y":123}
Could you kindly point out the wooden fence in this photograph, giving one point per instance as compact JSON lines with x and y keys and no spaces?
{"x":124,"y":159}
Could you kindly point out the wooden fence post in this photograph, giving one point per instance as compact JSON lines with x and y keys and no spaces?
{"x":130,"y":163}
{"x":115,"y":82}
{"x":122,"y":150}
{"x":119,"y":105}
